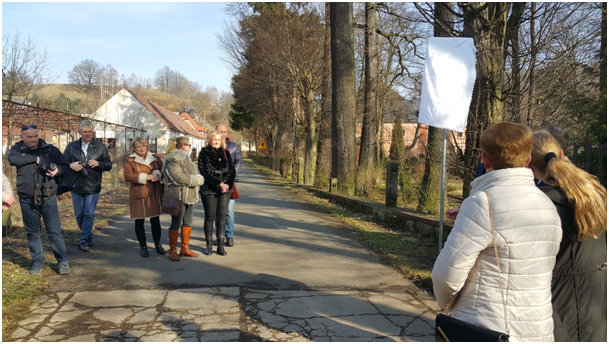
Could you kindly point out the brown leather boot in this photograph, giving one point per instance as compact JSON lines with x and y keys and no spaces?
{"x":184,"y":250}
{"x":173,"y":245}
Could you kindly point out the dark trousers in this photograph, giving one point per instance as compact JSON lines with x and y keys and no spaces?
{"x":155,"y":228}
{"x":216,"y":207}
{"x":31,"y":212}
{"x":184,"y":219}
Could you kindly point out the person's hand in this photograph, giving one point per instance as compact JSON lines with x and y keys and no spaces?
{"x":452,"y":213}
{"x":151,"y":177}
{"x":93,"y":163}
{"x":52,"y":173}
{"x":223,"y":187}
{"x":7,"y":201}
{"x":76,"y":166}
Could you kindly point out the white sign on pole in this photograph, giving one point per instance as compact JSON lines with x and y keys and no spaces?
{"x":448,"y":82}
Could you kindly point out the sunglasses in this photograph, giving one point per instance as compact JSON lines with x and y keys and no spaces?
{"x":29,"y":126}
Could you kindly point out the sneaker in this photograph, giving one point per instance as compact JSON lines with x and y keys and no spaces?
{"x":63,"y":268}
{"x":83,"y":247}
{"x":230,"y":242}
{"x":36,"y":269}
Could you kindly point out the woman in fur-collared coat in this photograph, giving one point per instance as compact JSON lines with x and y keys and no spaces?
{"x":143,"y":172}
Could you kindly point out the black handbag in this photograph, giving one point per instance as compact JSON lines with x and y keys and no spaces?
{"x":449,"y":329}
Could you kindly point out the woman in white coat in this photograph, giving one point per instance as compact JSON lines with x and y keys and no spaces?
{"x":527,"y":233}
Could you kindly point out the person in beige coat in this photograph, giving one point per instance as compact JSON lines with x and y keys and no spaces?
{"x":143,"y":172}
{"x":182,"y":182}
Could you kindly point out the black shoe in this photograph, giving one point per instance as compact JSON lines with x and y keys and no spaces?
{"x":208,"y":250}
{"x":83,"y":247}
{"x":230,"y":242}
{"x":144,"y":251}
{"x":159,"y":249}
{"x":221,"y":250}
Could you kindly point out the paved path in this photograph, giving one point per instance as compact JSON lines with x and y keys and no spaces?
{"x":295,"y":274}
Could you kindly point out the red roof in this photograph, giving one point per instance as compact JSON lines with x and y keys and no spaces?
{"x":170,"y":119}
{"x":197,"y":127}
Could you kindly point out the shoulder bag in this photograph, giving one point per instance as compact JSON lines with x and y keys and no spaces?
{"x":449,"y":329}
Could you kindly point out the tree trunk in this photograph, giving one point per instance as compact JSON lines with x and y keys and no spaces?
{"x":487,"y":24}
{"x":343,"y":96}
{"x":531,"y":107}
{"x":603,"y":52}
{"x":515,"y":95}
{"x":429,"y":196}
{"x":324,"y":145}
{"x":366,"y":153}
{"x":311,"y":138}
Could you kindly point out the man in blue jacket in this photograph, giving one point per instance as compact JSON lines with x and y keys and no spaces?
{"x":88,"y":158}
{"x":38,"y":164}
{"x":235,"y":154}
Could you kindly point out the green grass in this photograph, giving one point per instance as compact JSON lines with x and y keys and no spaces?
{"x":411,"y":254}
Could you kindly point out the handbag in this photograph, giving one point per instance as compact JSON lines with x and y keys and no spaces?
{"x":235,"y":194}
{"x":171,"y":206}
{"x":449,"y":329}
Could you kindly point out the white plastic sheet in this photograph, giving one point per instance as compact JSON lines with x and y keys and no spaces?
{"x":448,"y":82}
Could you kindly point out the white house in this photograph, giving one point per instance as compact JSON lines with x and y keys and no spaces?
{"x":127,"y":108}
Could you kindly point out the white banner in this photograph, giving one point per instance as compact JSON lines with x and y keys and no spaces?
{"x":448,"y":82}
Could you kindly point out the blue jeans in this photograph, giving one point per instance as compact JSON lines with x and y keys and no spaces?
{"x":31,"y":212}
{"x":84,"y":210}
{"x":230,"y":220}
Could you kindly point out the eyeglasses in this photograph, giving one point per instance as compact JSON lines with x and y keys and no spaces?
{"x":28,"y":127}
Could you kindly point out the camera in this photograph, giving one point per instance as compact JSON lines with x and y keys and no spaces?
{"x":48,"y":167}
{"x":84,"y":168}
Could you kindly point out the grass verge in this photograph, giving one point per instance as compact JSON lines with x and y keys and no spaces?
{"x":413,"y":255}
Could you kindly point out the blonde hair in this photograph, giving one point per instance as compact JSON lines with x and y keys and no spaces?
{"x":507,"y":145}
{"x":171,"y":145}
{"x":585,"y":193}
{"x":214,"y":134}
{"x":139,"y":141}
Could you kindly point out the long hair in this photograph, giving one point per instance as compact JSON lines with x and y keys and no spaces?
{"x":171,"y":145}
{"x":585,"y":193}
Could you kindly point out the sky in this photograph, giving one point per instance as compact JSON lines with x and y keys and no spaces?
{"x":135,"y":37}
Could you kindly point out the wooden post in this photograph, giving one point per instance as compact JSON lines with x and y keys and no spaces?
{"x":391,"y":193}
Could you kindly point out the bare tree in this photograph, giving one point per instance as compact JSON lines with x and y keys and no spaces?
{"x":22,"y":66}
{"x":85,"y":74}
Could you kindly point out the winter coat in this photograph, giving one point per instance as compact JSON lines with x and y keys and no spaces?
{"x":579,"y":284}
{"x":235,"y":153}
{"x":216,"y":167}
{"x":31,"y":178}
{"x":144,"y":196}
{"x":90,"y":183}
{"x":528,"y":233}
{"x":181,"y":178}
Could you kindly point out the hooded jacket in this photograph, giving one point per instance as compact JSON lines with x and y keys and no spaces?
{"x":527,"y":232}
{"x":31,"y":178}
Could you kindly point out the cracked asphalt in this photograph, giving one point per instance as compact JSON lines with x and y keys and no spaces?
{"x":294,"y":274}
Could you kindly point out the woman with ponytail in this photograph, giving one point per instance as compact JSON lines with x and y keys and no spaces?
{"x":579,"y":279}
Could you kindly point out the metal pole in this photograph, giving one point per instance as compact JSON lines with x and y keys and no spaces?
{"x":442,"y":187}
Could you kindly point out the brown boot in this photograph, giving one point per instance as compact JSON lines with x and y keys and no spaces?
{"x":184,"y":251}
{"x":173,"y":245}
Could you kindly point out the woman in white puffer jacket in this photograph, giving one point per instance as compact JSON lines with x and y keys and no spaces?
{"x":528,"y":233}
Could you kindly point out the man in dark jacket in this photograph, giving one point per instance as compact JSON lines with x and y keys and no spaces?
{"x":88,"y":158}
{"x":38,"y":164}
{"x":235,"y":154}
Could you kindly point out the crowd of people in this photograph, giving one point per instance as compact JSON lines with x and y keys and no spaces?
{"x":43,"y":172}
{"x":526,"y":256}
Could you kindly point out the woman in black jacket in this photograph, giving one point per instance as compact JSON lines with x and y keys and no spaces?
{"x":218,"y":169}
{"x":579,"y":279}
